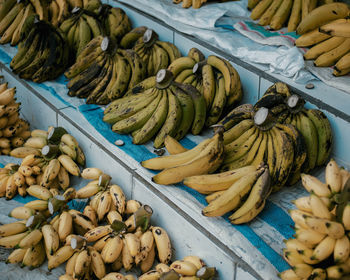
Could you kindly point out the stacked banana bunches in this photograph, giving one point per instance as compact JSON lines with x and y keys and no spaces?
{"x":215,"y":78}
{"x":14,"y":130}
{"x":155,"y":54}
{"x":104,"y":73}
{"x":326,"y":31}
{"x":110,"y":234}
{"x":13,"y":15}
{"x":278,"y":13}
{"x":279,"y":131}
{"x":49,"y":157}
{"x":43,"y":53}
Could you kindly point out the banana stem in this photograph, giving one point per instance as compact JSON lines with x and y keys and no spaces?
{"x":78,"y":242}
{"x":263,"y":119}
{"x":164,"y":79}
{"x":142,"y":216}
{"x":206,"y":272}
{"x":56,"y":203}
{"x":69,"y":194}
{"x":50,"y":151}
{"x":197,"y":68}
{"x":170,"y":275}
{"x":35,"y":221}
{"x":295,"y":103}
{"x":104,"y":180}
{"x":55,"y":134}
{"x":149,"y":37}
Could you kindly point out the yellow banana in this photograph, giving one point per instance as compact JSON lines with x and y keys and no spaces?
{"x":312,"y":184}
{"x":309,"y":237}
{"x":31,"y":239}
{"x":16,"y":256}
{"x":217,"y":182}
{"x":39,"y":192}
{"x":97,"y":233}
{"x":12,"y":240}
{"x":22,"y":212}
{"x":112,"y":249}
{"x":69,"y":165}
{"x":34,"y":256}
{"x":51,"y":238}
{"x":184,"y":268}
{"x":104,"y":205}
{"x":133,"y":243}
{"x":319,"y":209}
{"x":118,"y":198}
{"x":12,"y":228}
{"x":324,"y":249}
{"x":61,"y":256}
{"x":333,"y":229}
{"x":231,"y":198}
{"x":163,"y":244}
{"x":82,"y":264}
{"x":65,"y":226}
{"x":91,"y":173}
{"x":333,"y":177}
{"x":341,"y":249}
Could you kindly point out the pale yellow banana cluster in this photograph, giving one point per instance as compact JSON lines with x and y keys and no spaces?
{"x":322,"y":225}
{"x":49,"y":158}
{"x":205,"y":158}
{"x":276,"y":13}
{"x":327,"y":32}
{"x":13,"y":130}
{"x":215,"y":78}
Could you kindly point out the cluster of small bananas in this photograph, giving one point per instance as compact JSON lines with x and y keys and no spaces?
{"x":327,"y":32}
{"x":205,"y":158}
{"x":48,"y":159}
{"x":157,"y":106}
{"x":154,"y":53}
{"x":215,"y":78}
{"x":321,"y":246}
{"x":42,"y":54}
{"x":14,"y":130}
{"x":103,"y":73}
{"x":279,"y":131}
{"x":33,"y":237}
{"x":277,"y":12}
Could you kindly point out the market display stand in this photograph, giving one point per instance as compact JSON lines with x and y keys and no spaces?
{"x":215,"y":240}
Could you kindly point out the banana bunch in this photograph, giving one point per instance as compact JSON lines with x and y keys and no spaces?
{"x":329,"y":40}
{"x":89,"y":5}
{"x":103,"y":73}
{"x":276,"y":13}
{"x":155,"y":54}
{"x":215,"y":78}
{"x":115,"y":22}
{"x":37,"y":235}
{"x":320,"y":249}
{"x":13,"y":130}
{"x":158,"y":107}
{"x":243,"y":191}
{"x":79,"y":29}
{"x":195,"y":4}
{"x":13,"y":16}
{"x":205,"y":158}
{"x":49,"y":158}
{"x":255,"y":137}
{"x":42,"y":54}
{"x":312,"y":124}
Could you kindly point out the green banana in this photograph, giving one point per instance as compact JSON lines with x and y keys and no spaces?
{"x":172,"y":121}
{"x":154,"y":123}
